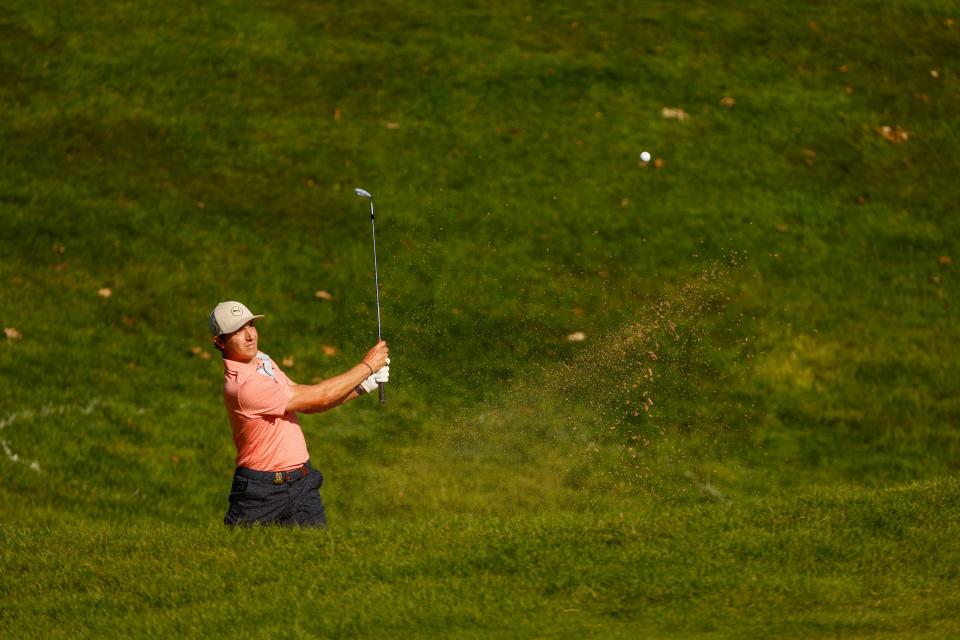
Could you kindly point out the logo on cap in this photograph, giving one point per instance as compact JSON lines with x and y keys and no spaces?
{"x":236,"y":311}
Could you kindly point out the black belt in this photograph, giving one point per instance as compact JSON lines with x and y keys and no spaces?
{"x":276,"y":477}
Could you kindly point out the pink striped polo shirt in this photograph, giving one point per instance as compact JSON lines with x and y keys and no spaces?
{"x":267,"y":437}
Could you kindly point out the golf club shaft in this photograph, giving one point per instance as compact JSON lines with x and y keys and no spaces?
{"x":376,"y":281}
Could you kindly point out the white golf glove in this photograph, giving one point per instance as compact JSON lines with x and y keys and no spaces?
{"x":373,"y":381}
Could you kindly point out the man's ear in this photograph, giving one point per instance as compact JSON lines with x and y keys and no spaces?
{"x":218,"y":342}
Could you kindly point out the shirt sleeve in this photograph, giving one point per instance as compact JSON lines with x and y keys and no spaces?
{"x":262,"y":397}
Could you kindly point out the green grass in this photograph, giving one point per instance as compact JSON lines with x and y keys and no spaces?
{"x":839,"y":563}
{"x":757,"y":437}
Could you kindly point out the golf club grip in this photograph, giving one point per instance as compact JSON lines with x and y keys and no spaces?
{"x":383,"y":392}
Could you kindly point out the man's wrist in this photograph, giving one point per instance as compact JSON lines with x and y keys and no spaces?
{"x":364,"y":362}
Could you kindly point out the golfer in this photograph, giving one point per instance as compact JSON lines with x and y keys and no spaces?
{"x":274,"y":482}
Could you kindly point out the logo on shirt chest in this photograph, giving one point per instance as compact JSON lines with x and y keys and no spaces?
{"x":266,"y":366}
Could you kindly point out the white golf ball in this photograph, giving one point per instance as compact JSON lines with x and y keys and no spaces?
{"x":645,"y":156}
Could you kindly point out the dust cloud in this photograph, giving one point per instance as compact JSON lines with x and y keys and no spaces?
{"x":645,"y":408}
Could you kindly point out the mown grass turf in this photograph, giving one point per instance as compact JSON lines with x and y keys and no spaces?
{"x":769,"y":307}
{"x":844,"y":563}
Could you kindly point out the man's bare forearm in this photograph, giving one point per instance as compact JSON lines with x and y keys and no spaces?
{"x":350,"y":396}
{"x":327,"y":394}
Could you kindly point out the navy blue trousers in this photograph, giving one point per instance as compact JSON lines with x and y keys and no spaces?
{"x":255,"y":500}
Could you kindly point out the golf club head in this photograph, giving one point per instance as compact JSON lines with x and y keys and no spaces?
{"x":362,"y":193}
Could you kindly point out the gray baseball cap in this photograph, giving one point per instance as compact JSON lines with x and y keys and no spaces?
{"x":229,"y":316}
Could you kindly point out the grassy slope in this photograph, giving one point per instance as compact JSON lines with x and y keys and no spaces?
{"x":783,"y":265}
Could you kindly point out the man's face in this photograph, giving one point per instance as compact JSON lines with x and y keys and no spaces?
{"x":241,"y":345}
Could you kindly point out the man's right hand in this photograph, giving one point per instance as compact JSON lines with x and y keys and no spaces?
{"x":376,"y":358}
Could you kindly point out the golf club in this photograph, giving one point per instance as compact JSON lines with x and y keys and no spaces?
{"x":376,"y":278}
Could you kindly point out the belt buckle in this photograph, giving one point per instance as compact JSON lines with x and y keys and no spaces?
{"x":278,"y":477}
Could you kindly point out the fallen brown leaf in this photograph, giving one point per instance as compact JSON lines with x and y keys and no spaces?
{"x":577,"y":336}
{"x":200,"y":352}
{"x":658,"y":163}
{"x":104,"y":293}
{"x":323,"y":295}
{"x":12,"y":334}
{"x":728,"y":101}
{"x":894,"y":134}
{"x":944,"y":261}
{"x":288,"y":361}
{"x":671,"y":113}
{"x":329,"y":350}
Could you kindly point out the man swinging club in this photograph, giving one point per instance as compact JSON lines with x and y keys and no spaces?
{"x":274,"y":482}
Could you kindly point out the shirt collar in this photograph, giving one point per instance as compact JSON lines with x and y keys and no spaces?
{"x":237,"y":367}
{"x":261,"y":364}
